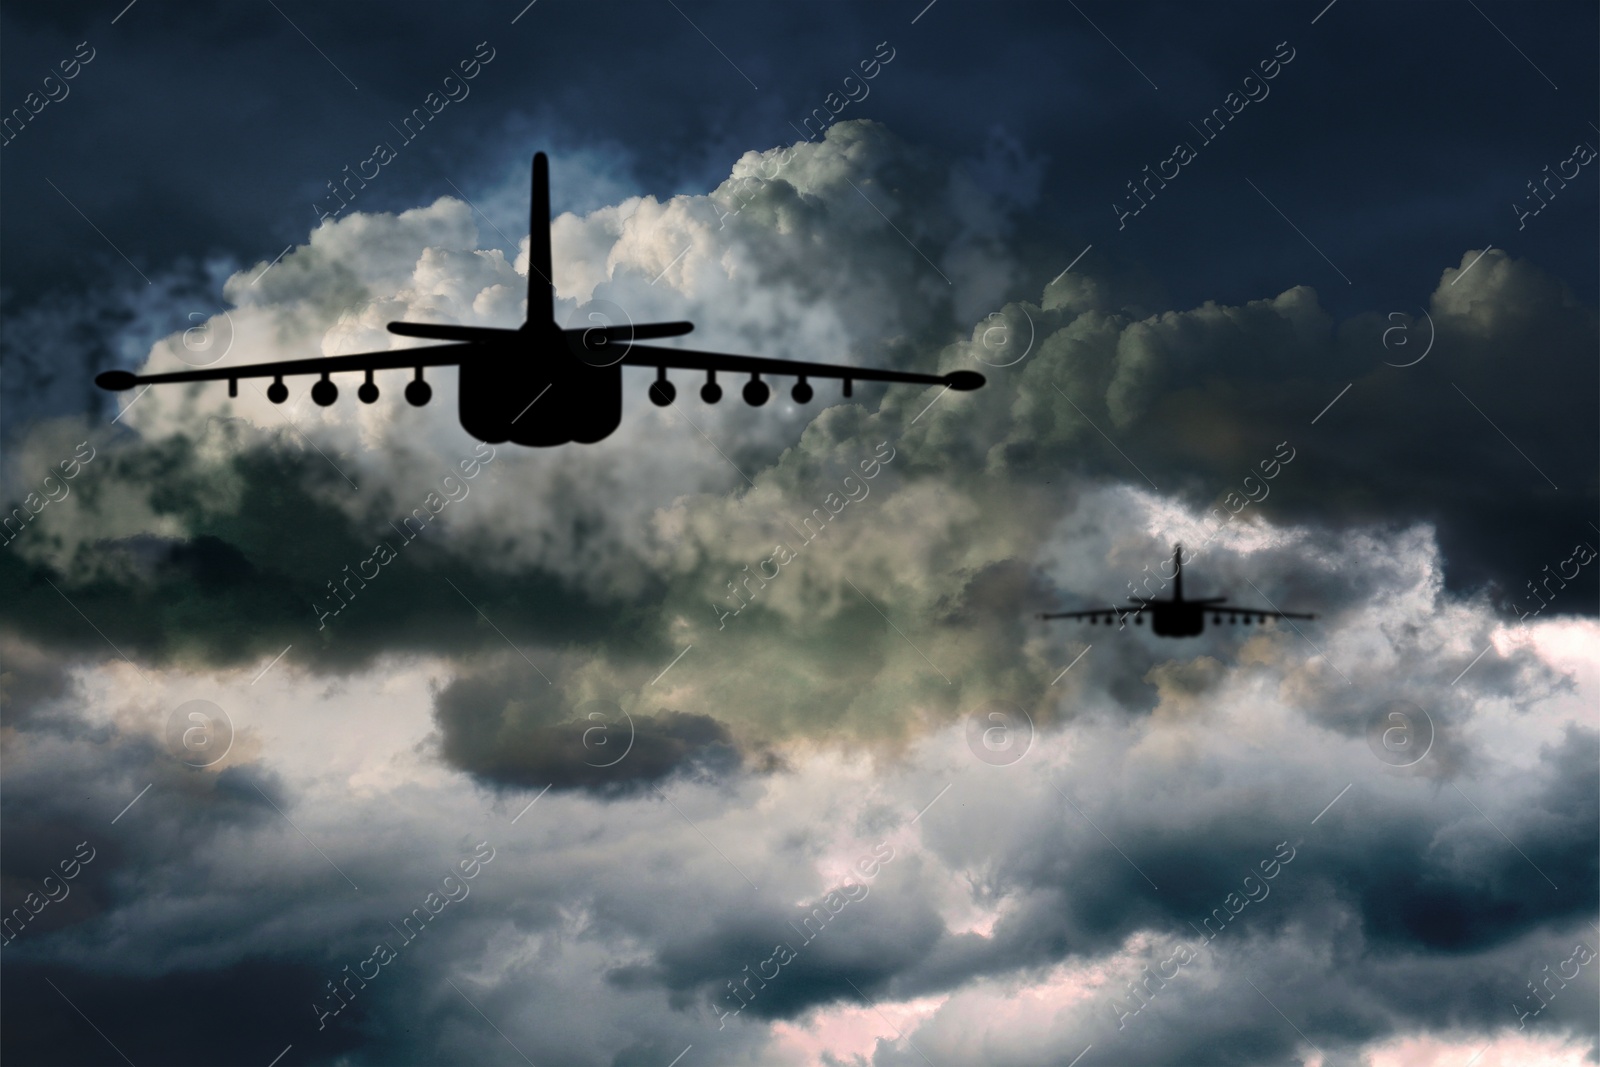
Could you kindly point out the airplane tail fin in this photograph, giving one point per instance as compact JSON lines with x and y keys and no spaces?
{"x":541,"y":287}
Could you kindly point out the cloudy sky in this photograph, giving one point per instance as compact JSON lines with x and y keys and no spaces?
{"x":733,"y":738}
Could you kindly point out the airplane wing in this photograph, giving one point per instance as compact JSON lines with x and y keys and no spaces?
{"x":473,"y":340}
{"x":426,"y":356}
{"x":1086,"y":614}
{"x":1231,"y":612}
{"x":689,"y":359}
{"x":1247,"y":612}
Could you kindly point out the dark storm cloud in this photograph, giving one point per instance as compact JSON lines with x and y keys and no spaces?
{"x":227,"y":594}
{"x":510,"y":726}
{"x":1429,"y":918}
{"x":811,"y":954}
{"x":1322,"y":990}
{"x":29,"y":678}
{"x":231,"y":1014}
{"x":1441,"y":910}
{"x":1198,"y":400}
{"x":187,"y":814}
{"x":242,"y":919}
{"x":55,"y":344}
{"x":65,"y":846}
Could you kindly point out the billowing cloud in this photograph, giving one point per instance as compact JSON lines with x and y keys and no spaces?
{"x":796,"y":616}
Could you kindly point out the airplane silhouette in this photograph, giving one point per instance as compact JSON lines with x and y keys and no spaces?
{"x":503,"y":373}
{"x":1176,"y":617}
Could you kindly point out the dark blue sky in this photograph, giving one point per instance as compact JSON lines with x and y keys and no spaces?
{"x":1399,"y":135}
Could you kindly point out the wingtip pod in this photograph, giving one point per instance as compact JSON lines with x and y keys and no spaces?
{"x":964,"y":380}
{"x":116,"y":380}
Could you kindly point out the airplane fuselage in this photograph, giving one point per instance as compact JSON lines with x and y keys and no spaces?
{"x":1177,"y":619}
{"x":539,"y":392}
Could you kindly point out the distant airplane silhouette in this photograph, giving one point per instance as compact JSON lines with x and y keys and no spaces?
{"x":1176,"y":617}
{"x":505,"y":372}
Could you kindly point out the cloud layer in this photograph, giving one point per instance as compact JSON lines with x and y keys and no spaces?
{"x":785,"y":622}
